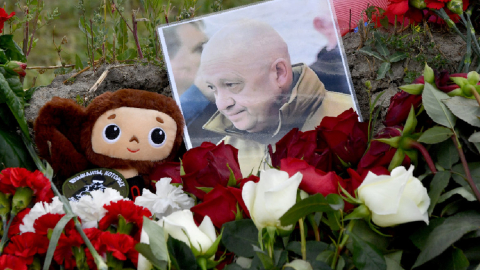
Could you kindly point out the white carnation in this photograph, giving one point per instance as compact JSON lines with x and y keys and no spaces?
{"x":38,"y":210}
{"x":168,"y":199}
{"x":90,"y":208}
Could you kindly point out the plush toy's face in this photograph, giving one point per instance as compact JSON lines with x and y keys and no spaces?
{"x":134,"y":134}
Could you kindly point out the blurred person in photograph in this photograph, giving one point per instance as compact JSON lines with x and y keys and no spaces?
{"x":185,"y":45}
{"x":259,"y":94}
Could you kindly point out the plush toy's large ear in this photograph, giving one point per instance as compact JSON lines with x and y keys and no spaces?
{"x":57,"y":135}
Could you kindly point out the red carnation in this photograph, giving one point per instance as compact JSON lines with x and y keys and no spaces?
{"x":4,"y":17}
{"x":314,"y":180}
{"x":9,"y":262}
{"x":220,"y":205}
{"x":41,"y":187}
{"x":47,"y":223}
{"x":118,"y":244}
{"x":63,"y":253}
{"x":206,"y":166}
{"x":13,"y":178}
{"x":399,"y":108}
{"x":27,"y":245}
{"x":346,"y":137}
{"x":436,"y":4}
{"x":127,"y":209}
{"x":17,"y":221}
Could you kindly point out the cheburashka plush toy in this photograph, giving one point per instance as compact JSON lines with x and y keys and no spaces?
{"x":131,"y":131}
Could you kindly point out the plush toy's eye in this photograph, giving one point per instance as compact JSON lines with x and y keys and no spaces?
{"x":111,"y":133}
{"x":157,"y":137}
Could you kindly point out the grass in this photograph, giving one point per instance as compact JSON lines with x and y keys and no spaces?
{"x":66,"y":27}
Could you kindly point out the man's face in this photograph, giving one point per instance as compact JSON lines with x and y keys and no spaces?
{"x":187,"y":59}
{"x":245,"y":94}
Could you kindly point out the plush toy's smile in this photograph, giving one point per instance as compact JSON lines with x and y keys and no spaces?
{"x":133,"y":151}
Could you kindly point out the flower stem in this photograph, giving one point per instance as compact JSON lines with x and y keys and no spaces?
{"x":303,"y":239}
{"x":5,"y":234}
{"x":477,"y":96}
{"x":465,"y":167}
{"x":342,"y":244}
{"x":425,"y":154}
{"x":311,"y":219}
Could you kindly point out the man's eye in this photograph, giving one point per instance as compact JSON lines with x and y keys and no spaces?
{"x":211,"y":87}
{"x":231,"y":85}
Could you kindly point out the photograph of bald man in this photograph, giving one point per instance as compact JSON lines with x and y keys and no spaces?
{"x":260,"y":95}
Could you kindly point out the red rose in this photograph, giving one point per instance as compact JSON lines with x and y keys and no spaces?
{"x":4,"y":17}
{"x":301,"y":145}
{"x":314,"y":180}
{"x":27,"y":245}
{"x":220,"y":205}
{"x":443,"y":81}
{"x":11,"y":262}
{"x":345,"y":136}
{"x":399,"y":108}
{"x":167,"y":169}
{"x":206,"y":166}
{"x":251,"y":177}
{"x":380,"y":154}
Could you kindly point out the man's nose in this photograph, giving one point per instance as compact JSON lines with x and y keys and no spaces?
{"x":224,"y":101}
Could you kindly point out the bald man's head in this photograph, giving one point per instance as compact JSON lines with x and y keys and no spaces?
{"x":247,"y":66}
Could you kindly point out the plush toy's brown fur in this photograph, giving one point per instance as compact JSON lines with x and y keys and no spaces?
{"x":63,"y":130}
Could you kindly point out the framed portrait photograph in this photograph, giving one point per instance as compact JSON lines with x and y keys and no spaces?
{"x":248,"y":76}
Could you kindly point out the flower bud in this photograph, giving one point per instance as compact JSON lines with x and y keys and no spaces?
{"x":473,"y":77}
{"x":5,"y":204}
{"x":420,"y":4}
{"x":455,"y":6}
{"x":428,"y":74}
{"x":413,"y":89}
{"x":21,"y":199}
{"x":17,"y":67}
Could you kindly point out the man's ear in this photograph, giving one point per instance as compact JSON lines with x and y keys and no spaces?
{"x":283,"y":72}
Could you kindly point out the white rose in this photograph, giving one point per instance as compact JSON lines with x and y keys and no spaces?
{"x":395,"y":199}
{"x":271,"y":197}
{"x":181,"y":226}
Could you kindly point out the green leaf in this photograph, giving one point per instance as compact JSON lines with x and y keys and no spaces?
{"x":435,"y":135}
{"x":127,"y":55}
{"x":460,"y":177}
{"x":314,"y":248}
{"x":465,"y":109}
{"x":13,"y":152}
{"x":240,"y":236}
{"x":315,"y":203}
{"x":382,"y":71}
{"x":397,"y":56}
{"x":12,"y":50}
{"x":447,"y":154}
{"x":475,"y":138}
{"x":462,"y":191}
{"x":146,"y":251}
{"x":336,"y":202}
{"x":267,"y":262}
{"x":393,"y":260}
{"x":3,"y":57}
{"x":181,"y":255}
{"x":420,"y":236}
{"x":57,"y":231}
{"x":450,"y":231}
{"x":432,"y":101}
{"x":382,"y":48}
{"x":299,"y":265}
{"x":368,"y":51}
{"x":438,"y":184}
{"x":14,"y":103}
{"x":13,"y":81}
{"x":78,"y":62}
{"x":413,"y":89}
{"x":366,"y":256}
{"x":157,"y":240}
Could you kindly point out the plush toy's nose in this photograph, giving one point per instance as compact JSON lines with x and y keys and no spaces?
{"x":134,"y":138}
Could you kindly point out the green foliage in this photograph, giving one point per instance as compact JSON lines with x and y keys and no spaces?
{"x":315,"y":203}
{"x":433,"y":102}
{"x":240,"y":237}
